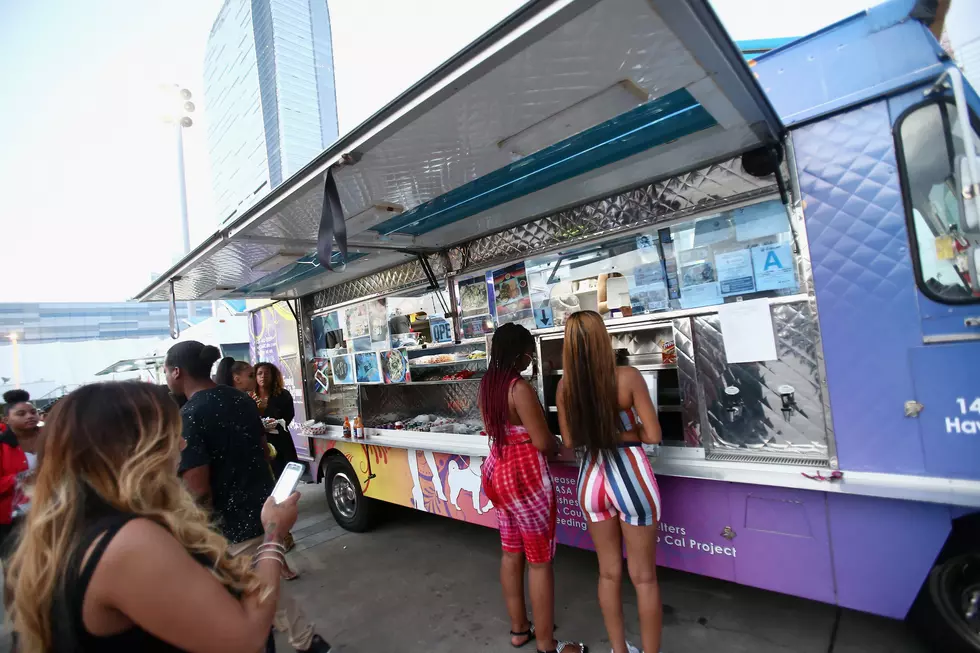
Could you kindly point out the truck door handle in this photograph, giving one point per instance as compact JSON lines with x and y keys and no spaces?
{"x":972,"y":322}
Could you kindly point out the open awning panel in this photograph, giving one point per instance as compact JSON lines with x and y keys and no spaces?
{"x":564,"y":102}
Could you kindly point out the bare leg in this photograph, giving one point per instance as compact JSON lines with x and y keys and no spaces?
{"x":542,"y":581}
{"x":641,"y":556}
{"x":542,"y":577}
{"x":607,"y":537}
{"x":512,"y":580}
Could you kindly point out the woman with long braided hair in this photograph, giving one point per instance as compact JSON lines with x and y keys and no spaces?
{"x":517,"y":480}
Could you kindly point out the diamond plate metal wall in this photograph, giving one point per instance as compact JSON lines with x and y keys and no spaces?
{"x":712,"y":187}
{"x":455,"y":399}
{"x":692,"y":396}
{"x":865,"y":290}
{"x":401,"y":277}
{"x":758,"y":428}
{"x":332,"y":408}
{"x":705,"y":189}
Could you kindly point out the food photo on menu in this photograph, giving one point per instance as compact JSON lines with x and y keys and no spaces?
{"x":343,"y":369}
{"x":511,"y":294}
{"x":367,"y":367}
{"x":394,"y":364}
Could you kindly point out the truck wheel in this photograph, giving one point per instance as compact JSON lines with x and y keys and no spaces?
{"x":349,"y":506}
{"x":948,"y":608}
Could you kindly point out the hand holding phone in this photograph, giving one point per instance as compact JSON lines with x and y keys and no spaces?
{"x":287,"y":483}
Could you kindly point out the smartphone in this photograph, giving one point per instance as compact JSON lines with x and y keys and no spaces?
{"x":288,"y":481}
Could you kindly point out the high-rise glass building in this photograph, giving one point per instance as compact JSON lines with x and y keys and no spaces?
{"x":270,"y":98}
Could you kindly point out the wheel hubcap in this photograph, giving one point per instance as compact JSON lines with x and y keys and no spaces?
{"x":344,"y":495}
{"x":970,"y":603}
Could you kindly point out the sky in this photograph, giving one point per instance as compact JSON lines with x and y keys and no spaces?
{"x":88,"y":167}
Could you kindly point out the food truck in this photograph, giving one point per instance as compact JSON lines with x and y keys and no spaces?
{"x":787,"y":250}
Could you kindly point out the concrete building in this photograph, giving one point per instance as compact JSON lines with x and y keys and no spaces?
{"x":269,"y":91}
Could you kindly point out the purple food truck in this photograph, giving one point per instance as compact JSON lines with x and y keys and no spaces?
{"x":787,"y":249}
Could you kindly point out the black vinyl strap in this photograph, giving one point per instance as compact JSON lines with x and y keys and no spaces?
{"x":332,"y":226}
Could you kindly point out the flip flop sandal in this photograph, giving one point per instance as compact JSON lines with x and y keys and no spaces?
{"x":529,"y":633}
{"x":290,"y":575}
{"x":562,"y":645}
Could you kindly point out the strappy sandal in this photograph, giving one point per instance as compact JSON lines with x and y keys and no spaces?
{"x":562,"y":645}
{"x":529,"y":633}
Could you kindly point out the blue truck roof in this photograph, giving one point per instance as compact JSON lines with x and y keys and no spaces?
{"x":877,"y":52}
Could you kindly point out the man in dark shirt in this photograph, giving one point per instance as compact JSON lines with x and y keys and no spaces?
{"x":224,"y":435}
{"x":223,"y":464}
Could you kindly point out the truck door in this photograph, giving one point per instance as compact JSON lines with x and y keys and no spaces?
{"x":936,"y":140}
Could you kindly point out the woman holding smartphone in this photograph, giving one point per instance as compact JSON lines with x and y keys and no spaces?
{"x":109,"y":519}
{"x":607,"y":411}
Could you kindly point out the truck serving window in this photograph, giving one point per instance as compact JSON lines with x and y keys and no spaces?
{"x":931,"y":155}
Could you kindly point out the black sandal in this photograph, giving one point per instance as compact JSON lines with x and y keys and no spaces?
{"x":529,"y":633}
{"x":561,"y":647}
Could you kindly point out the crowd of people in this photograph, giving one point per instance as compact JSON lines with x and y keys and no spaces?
{"x":149,"y":525}
{"x":141,"y":519}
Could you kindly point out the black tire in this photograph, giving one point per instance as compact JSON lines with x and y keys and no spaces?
{"x":352,"y":510}
{"x":940,"y":612}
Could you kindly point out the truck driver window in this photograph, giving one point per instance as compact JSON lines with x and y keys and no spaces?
{"x":932,"y":154}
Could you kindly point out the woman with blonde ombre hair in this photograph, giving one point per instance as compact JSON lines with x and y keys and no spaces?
{"x":606,"y":411}
{"x":115,"y":554}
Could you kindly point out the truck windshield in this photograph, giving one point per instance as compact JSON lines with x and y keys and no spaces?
{"x":931,"y":149}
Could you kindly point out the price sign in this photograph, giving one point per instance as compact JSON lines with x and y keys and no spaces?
{"x":441,"y":330}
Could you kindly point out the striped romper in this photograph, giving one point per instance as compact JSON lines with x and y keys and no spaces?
{"x":620,"y":481}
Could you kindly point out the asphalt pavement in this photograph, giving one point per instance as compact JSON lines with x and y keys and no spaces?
{"x":427,"y":584}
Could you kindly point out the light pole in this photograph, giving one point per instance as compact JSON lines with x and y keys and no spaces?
{"x":178,"y":114}
{"x":179,"y":108}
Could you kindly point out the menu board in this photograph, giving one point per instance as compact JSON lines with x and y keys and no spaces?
{"x":394,"y":365}
{"x":648,"y":288}
{"x":367,"y":325}
{"x":474,"y":307}
{"x":367,"y":367}
{"x":511,"y":294}
{"x":343,"y":369}
{"x":474,"y":297}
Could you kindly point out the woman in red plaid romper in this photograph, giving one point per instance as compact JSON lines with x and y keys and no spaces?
{"x":517,"y":480}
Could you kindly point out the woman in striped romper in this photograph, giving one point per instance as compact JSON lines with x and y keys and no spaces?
{"x":607,"y":412}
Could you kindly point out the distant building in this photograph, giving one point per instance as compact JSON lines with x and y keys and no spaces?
{"x":271,"y":105}
{"x":49,"y":349}
{"x":64,"y":322}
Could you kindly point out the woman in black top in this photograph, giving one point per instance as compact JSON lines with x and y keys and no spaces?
{"x":275,"y":402}
{"x":110,"y":511}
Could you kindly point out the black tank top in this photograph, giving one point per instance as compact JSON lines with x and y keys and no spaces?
{"x":69,"y":633}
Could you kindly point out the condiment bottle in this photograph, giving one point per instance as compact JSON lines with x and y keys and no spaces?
{"x":358,"y":428}
{"x":347,"y":427}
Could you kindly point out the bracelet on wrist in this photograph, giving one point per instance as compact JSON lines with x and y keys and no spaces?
{"x":269,"y":556}
{"x":271,"y":546}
